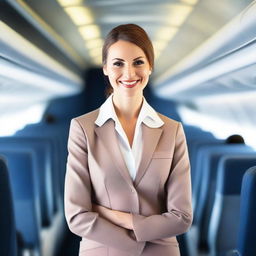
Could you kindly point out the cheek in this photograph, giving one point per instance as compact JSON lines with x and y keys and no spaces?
{"x":144,"y":73}
{"x":114,"y":73}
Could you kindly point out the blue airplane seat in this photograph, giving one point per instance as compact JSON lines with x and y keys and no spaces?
{"x":193,"y":149}
{"x":247,"y":229}
{"x":43,"y":171}
{"x":224,"y":223}
{"x":25,"y":191}
{"x":58,"y":133}
{"x":206,"y":195}
{"x":8,"y":245}
{"x":194,"y":133}
{"x":204,"y":191}
{"x":205,"y":171}
{"x":59,"y":136}
{"x":163,"y":106}
{"x":53,"y":233}
{"x":65,"y":108}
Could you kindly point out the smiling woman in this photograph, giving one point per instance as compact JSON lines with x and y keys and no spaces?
{"x":127,"y":189}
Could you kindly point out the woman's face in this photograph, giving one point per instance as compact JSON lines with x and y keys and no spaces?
{"x":127,"y":68}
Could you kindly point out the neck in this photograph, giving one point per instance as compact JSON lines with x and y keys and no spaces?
{"x":127,"y":108}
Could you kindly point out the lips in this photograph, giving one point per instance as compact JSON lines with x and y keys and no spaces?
{"x":130,"y":83}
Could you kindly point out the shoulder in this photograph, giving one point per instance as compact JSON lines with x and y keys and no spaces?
{"x":169,"y":122}
{"x":172,"y":127}
{"x":88,"y":119}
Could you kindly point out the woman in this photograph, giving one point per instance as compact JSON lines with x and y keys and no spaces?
{"x":127,"y":188}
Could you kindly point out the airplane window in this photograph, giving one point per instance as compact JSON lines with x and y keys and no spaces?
{"x":220,"y":128}
{"x":12,"y":122}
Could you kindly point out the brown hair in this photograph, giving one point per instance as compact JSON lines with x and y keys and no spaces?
{"x":131,"y":33}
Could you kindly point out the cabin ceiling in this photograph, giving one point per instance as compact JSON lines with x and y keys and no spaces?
{"x":204,"y":60}
{"x":189,"y":36}
{"x":176,"y":27}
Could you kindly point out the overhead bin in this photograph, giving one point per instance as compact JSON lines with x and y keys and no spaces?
{"x":229,"y":50}
{"x":36,"y":56}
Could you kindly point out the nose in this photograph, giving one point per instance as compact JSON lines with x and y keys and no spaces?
{"x":129,"y":72}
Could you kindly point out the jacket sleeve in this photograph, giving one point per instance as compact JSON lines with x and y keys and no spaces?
{"x":78,"y":206}
{"x":178,"y":217}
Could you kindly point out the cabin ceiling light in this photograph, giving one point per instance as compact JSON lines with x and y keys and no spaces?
{"x":89,"y":32}
{"x":157,"y":53}
{"x":66,"y":3}
{"x":178,"y":14}
{"x":166,"y":33}
{"x":159,"y":46}
{"x":94,"y":43}
{"x":95,"y":52}
{"x":97,"y":60}
{"x":190,"y":2}
{"x":79,"y":15}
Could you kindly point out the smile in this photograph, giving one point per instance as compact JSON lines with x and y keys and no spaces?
{"x":129,"y":84}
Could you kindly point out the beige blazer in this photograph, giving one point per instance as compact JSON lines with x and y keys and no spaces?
{"x":159,"y":198}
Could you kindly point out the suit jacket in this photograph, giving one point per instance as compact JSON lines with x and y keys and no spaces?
{"x":159,"y":198}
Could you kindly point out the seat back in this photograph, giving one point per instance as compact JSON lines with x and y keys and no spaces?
{"x":224,"y":222}
{"x":8,"y":245}
{"x":58,"y":134}
{"x":44,"y":170}
{"x":207,"y":157}
{"x":24,"y":185}
{"x":208,"y":189}
{"x":247,"y":228}
{"x":193,"y":148}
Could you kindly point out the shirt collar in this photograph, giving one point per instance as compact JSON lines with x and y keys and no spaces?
{"x":147,"y":114}
{"x":106,"y":112}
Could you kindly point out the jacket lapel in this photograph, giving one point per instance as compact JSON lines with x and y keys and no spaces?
{"x":150,"y":138}
{"x":107,"y":134}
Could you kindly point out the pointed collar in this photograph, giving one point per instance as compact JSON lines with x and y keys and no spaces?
{"x":147,"y":114}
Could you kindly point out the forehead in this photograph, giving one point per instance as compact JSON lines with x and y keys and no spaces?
{"x":124,"y":50}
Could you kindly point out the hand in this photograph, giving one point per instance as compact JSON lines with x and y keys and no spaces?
{"x":122,"y":219}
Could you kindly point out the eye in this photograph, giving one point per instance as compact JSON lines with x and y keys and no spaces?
{"x":139,"y":62}
{"x":118,"y":63}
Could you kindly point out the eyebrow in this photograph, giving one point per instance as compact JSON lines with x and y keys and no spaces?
{"x":123,"y":60}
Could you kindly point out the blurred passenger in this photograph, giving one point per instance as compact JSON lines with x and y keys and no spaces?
{"x":235,"y":138}
{"x":49,"y":118}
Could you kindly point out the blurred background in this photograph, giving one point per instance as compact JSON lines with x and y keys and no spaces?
{"x":51,"y":71}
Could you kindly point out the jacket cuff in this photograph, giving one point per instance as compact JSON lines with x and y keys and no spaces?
{"x":136,"y":220}
{"x":140,"y":245}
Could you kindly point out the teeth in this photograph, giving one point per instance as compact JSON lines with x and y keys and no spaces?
{"x":129,"y":83}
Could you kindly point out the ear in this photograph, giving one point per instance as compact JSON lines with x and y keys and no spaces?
{"x":105,"y":70}
{"x":150,"y":72}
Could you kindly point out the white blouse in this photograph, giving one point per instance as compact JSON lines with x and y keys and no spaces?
{"x":147,"y":115}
